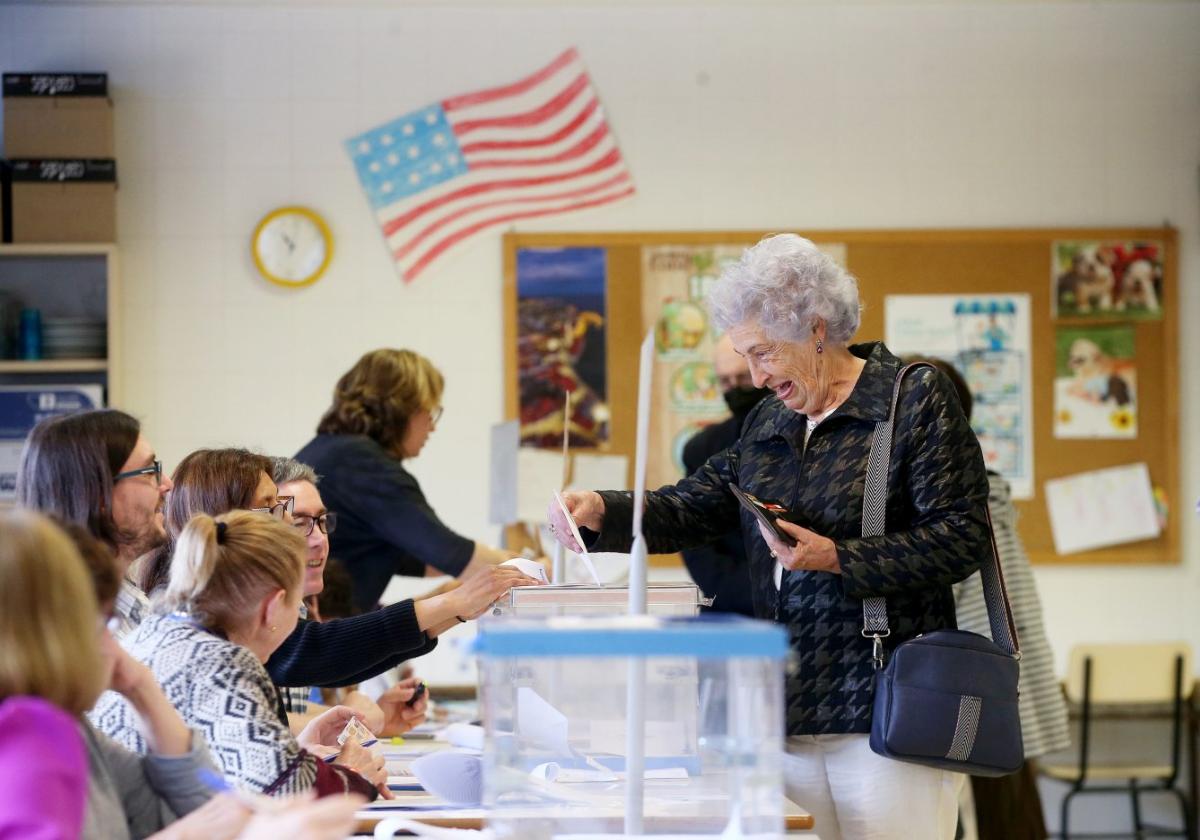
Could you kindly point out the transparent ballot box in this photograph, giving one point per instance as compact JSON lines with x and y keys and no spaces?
{"x":664,"y":599}
{"x":571,"y":705}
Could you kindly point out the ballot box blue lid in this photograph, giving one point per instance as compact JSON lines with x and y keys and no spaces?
{"x":708,"y":637}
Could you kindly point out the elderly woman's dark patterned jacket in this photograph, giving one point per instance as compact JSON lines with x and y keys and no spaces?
{"x":936,"y":527}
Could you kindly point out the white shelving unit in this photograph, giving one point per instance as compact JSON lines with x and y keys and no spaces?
{"x":66,"y":279}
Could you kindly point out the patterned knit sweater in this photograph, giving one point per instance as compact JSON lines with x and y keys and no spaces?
{"x":222,"y":690}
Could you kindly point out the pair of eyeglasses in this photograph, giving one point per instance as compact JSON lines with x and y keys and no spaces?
{"x":436,"y":414}
{"x":327,"y":522}
{"x":154,"y":469}
{"x":281,"y":509}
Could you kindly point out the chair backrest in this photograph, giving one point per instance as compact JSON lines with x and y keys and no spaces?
{"x":1142,"y":672}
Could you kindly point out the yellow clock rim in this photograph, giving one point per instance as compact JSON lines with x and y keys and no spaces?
{"x":313,"y":217}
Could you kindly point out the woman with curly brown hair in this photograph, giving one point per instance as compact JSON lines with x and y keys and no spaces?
{"x":384,"y":409}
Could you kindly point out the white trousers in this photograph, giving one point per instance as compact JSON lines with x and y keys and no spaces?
{"x":854,"y":794}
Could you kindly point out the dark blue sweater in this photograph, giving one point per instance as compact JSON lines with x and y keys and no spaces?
{"x":345,"y":651}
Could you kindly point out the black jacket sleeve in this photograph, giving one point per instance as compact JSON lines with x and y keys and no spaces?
{"x":349,"y":650}
{"x":694,"y":511}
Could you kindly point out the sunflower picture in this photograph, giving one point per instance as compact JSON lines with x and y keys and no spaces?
{"x":1122,"y":419}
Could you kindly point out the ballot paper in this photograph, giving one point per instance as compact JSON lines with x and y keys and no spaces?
{"x":583,"y":553}
{"x":541,"y":724}
{"x":530,"y":568}
{"x":1101,"y":508}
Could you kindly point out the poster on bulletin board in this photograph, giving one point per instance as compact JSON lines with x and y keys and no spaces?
{"x":986,"y":338}
{"x":1040,"y":320}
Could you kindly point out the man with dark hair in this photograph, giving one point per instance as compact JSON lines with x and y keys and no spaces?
{"x":95,"y":469}
{"x":720,"y":568}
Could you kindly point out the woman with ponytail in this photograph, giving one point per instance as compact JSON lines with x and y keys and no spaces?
{"x":232,"y":597}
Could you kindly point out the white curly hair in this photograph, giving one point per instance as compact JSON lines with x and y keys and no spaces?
{"x":785,"y":283}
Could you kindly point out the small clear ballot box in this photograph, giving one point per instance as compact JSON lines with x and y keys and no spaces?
{"x":570,"y":703}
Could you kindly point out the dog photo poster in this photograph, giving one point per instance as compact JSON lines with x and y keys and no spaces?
{"x":1107,"y":280}
{"x":1095,"y":382}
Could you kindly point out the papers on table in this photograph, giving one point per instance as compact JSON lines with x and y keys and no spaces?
{"x":1101,"y":508}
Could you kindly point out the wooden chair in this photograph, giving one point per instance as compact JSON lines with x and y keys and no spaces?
{"x":1129,"y":676}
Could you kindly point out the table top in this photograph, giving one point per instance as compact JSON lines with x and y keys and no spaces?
{"x":671,"y":805}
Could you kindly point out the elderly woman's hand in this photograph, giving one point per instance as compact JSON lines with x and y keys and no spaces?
{"x":812,"y":552}
{"x":586,"y":507}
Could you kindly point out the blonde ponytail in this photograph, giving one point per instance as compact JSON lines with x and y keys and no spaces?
{"x":224,"y":566}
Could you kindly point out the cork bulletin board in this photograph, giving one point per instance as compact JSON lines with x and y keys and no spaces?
{"x":1005,"y":262}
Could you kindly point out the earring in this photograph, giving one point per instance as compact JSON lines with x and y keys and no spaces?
{"x":820,"y":346}
{"x":273,"y":628}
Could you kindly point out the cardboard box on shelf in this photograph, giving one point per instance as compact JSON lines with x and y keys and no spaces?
{"x":62,"y":201}
{"x":57,"y":115}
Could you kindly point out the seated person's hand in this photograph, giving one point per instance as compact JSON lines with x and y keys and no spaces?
{"x":399,"y":716}
{"x":373,"y":715}
{"x":128,"y":674}
{"x":324,"y":729}
{"x":446,"y":586}
{"x":366,"y":763}
{"x":483,"y":588}
{"x":330,"y":818}
{"x":221,"y":818}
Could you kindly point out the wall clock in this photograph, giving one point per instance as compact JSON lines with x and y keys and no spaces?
{"x":292,"y":246}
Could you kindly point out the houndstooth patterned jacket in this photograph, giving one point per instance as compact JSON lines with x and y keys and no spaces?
{"x":936,"y":527}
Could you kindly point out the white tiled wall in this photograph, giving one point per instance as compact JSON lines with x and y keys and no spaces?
{"x":731,"y":115}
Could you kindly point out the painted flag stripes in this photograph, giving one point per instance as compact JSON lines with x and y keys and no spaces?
{"x":538,"y":147}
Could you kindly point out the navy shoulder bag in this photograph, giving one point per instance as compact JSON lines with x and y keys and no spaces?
{"x":946,"y":699}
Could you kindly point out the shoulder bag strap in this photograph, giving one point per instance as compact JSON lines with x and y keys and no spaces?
{"x":874,"y":516}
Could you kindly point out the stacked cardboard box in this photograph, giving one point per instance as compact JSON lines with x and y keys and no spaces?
{"x":59,"y":184}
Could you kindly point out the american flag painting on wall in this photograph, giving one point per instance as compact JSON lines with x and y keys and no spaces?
{"x":533,"y":148}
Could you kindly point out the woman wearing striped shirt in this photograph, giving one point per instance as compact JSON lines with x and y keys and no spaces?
{"x":1009,"y":807}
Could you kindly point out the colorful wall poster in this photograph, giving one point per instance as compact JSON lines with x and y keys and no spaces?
{"x":987,"y":338}
{"x":561,"y":345}
{"x":1107,"y":280}
{"x":1095,"y":382}
{"x":676,"y":280}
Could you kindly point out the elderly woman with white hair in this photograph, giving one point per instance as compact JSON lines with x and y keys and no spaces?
{"x":791,"y":311}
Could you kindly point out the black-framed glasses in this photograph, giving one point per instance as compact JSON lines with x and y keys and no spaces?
{"x":283,"y":507}
{"x":304,"y":523}
{"x":154,"y":469}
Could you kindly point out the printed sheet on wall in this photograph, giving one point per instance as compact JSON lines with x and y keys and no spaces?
{"x":987,"y":338}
